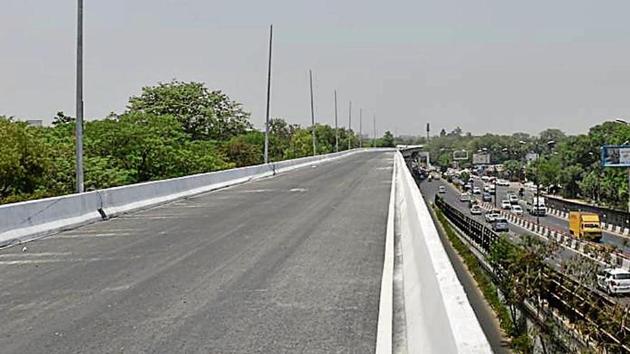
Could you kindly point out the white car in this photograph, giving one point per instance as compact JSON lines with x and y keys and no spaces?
{"x":506,"y":205}
{"x":441,"y":189}
{"x":513,"y":199}
{"x":476,"y":190}
{"x":475,"y":210}
{"x":614,"y":280}
{"x":491,"y":215}
{"x":516,"y":210}
{"x":464,"y":197}
{"x":503,"y":182}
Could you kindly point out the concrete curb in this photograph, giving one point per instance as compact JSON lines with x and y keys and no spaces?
{"x":384,"y":340}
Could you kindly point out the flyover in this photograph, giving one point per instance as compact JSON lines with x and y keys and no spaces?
{"x":302,"y":261}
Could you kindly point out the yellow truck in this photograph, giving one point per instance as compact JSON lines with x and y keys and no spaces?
{"x":585,"y":226}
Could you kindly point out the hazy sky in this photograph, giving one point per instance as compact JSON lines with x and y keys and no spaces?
{"x":487,"y":66}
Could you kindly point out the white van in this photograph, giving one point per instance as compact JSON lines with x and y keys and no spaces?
{"x":614,"y":280}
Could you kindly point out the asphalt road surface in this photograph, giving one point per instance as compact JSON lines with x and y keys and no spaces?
{"x":554,"y":222}
{"x":285,"y":264}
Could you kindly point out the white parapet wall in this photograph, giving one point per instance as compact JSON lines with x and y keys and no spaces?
{"x":438,"y":315}
{"x":33,"y":219}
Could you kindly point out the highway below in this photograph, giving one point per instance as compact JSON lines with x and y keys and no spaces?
{"x":430,"y":189}
{"x":285,"y":264}
{"x":554,"y":222}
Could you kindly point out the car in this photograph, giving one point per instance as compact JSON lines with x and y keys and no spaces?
{"x":491,"y":215}
{"x":516,"y":210}
{"x":500,"y":224}
{"x":464,"y":197}
{"x":506,"y":205}
{"x":468,"y":186}
{"x":503,"y":182}
{"x":513,"y":199}
{"x":475,"y":210}
{"x":476,"y":190}
{"x":441,"y":189}
{"x":487,"y":197}
{"x":430,"y":178}
{"x":614,"y":280}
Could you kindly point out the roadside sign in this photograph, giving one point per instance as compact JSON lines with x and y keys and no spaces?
{"x":460,"y":155}
{"x":615,"y":155}
{"x":481,"y":159}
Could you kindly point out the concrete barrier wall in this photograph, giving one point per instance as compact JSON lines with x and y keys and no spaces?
{"x":439,"y":318}
{"x":37,"y":218}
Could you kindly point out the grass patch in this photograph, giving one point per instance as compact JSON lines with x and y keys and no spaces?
{"x":484,"y":281}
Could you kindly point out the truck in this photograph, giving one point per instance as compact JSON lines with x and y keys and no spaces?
{"x":536,"y":206}
{"x":585,"y":226}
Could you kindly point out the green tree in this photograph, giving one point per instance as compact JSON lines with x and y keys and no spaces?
{"x":203,"y":114}
{"x":388,"y":139}
{"x":24,"y":159}
{"x":245,"y":150}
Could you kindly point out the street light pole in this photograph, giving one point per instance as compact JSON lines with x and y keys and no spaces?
{"x":374,"y":136}
{"x":268,"y":96}
{"x":336,"y":126}
{"x":360,"y":127}
{"x":79,"y":100}
{"x":310,"y":74}
{"x":350,"y":126}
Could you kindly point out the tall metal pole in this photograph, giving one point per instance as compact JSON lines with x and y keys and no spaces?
{"x":360,"y":127}
{"x":268,"y":96}
{"x":336,"y":126}
{"x":374,"y":136}
{"x":79,"y":100}
{"x":310,"y":74}
{"x":350,"y":126}
{"x":538,"y":186}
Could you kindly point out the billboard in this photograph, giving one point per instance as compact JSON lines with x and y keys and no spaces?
{"x":615,"y":155}
{"x":481,"y":159}
{"x":460,"y":155}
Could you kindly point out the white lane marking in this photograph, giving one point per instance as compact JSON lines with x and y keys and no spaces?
{"x":43,"y":254}
{"x":300,"y":190}
{"x":255,"y":191}
{"x":384,"y":168}
{"x":83,"y":232}
{"x":112,"y":234}
{"x":118,"y":288}
{"x":152,"y":217}
{"x":60,"y":260}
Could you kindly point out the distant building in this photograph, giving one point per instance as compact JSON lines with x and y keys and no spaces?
{"x":35,"y":122}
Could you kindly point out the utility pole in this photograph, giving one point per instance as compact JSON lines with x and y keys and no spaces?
{"x":428,"y":130}
{"x":268,"y":96}
{"x":374,"y":136}
{"x":79,"y":100}
{"x":310,"y":74}
{"x":350,"y":126}
{"x":360,"y":127}
{"x":336,"y":126}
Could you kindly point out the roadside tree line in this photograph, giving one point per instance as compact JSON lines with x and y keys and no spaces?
{"x":571,"y":163}
{"x":170,"y":130}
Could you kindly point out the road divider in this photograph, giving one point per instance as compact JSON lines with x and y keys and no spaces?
{"x":21,"y":222}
